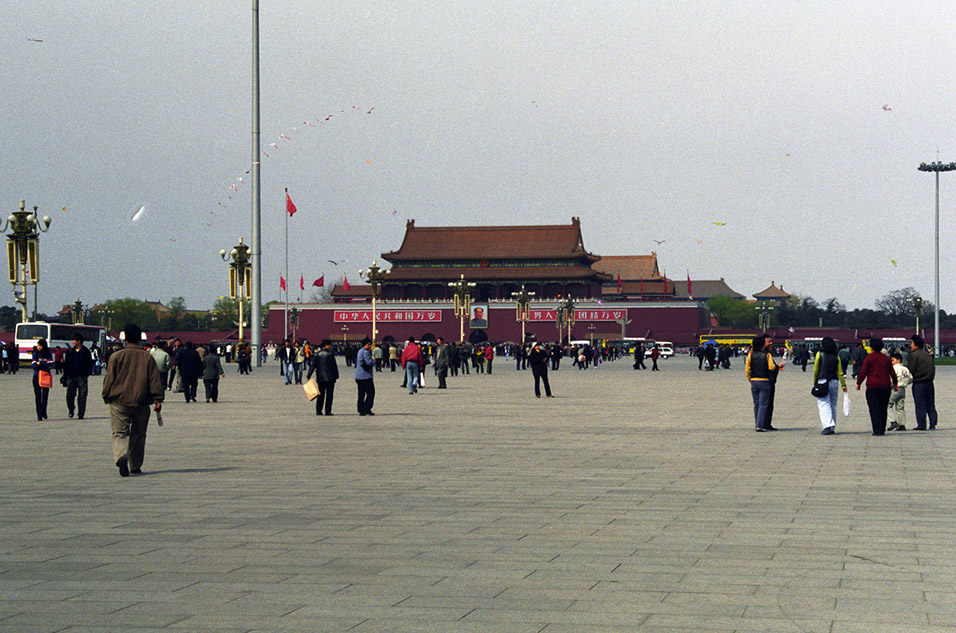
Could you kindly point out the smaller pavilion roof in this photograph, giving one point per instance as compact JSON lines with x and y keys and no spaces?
{"x":773,"y":293}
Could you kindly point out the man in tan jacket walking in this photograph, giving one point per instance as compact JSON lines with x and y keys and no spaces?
{"x":130,"y":386}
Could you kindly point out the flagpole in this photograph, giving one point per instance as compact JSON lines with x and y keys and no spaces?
{"x":256,"y":250}
{"x":286,"y":326}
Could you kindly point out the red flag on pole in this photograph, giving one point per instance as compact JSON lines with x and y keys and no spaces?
{"x":289,"y":207}
{"x":619,"y":283}
{"x":319,"y":283}
{"x":345,"y":284}
{"x":689,"y":292}
{"x":281,"y":282}
{"x":301,"y":281}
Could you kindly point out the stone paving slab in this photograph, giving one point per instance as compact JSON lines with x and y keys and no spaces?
{"x":630,"y":501}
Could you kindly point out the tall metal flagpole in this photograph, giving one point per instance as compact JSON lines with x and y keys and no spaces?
{"x":256,"y":254}
{"x":286,"y":213}
{"x":937,"y":167}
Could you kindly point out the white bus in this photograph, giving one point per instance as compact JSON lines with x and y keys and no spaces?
{"x":56,"y":335}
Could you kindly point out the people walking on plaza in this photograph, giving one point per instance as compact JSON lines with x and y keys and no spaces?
{"x":285,"y":355}
{"x":392,"y":356}
{"x":189,"y":365}
{"x":761,"y":371}
{"x":364,"y":375}
{"x":163,"y":362}
{"x":212,"y":371}
{"x":42,"y":361}
{"x":877,"y":371}
{"x":828,"y":370}
{"x":639,"y":353}
{"x":655,"y":354}
{"x":896,"y":412}
{"x":923,"y":369}
{"x":538,"y":359}
{"x":173,"y":383}
{"x":77,"y":367}
{"x":489,"y":358}
{"x":412,"y":364}
{"x":326,"y":372}
{"x":699,"y":353}
{"x":58,"y":360}
{"x":442,"y":363}
{"x":298,"y":361}
{"x":857,"y":354}
{"x":130,"y":386}
{"x":464,"y":357}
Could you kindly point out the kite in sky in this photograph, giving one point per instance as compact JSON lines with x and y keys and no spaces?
{"x":33,"y":39}
{"x":140,"y":210}
{"x":341,"y":261}
{"x":719,"y":223}
{"x":659,"y":242}
{"x":893,"y":261}
{"x":887,"y":107}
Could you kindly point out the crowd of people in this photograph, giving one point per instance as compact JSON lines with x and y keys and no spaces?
{"x":131,"y":386}
{"x":886,"y":373}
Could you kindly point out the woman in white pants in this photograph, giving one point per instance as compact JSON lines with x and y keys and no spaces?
{"x":827,"y":370}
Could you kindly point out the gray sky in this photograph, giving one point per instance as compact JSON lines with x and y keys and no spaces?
{"x":650,"y":120}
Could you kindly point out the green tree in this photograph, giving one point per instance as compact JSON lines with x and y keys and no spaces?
{"x":9,"y":317}
{"x":225,"y":313}
{"x":731,"y":312}
{"x":129,"y":310}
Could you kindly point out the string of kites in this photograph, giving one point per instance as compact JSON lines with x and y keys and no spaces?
{"x":274,"y":147}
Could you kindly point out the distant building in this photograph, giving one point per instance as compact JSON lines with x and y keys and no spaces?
{"x":772,"y":293}
{"x":706,"y":289}
{"x":550,"y":260}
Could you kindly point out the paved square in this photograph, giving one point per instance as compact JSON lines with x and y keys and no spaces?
{"x":632,"y":501}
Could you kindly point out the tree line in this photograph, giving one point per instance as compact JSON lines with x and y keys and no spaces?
{"x":894,"y":310}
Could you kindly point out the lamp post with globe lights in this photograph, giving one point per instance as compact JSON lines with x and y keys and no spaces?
{"x":375,"y":277}
{"x":23,"y":245}
{"x":240,"y":273}
{"x":462,"y":297}
{"x":523,"y":305}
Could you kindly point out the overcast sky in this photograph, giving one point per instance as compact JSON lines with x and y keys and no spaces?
{"x":649,"y":120}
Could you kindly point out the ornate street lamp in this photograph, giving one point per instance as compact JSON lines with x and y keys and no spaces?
{"x":566,"y":314}
{"x":23,"y":245}
{"x":240,"y":276}
{"x":523,"y":305}
{"x":461,"y":291}
{"x":764,"y":311}
{"x":375,"y":277}
{"x":937,"y":167}
{"x":106,"y":318}
{"x":77,"y":312}
{"x":591,"y":328}
{"x":294,"y":321}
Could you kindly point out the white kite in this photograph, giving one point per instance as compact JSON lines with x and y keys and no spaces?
{"x":138,"y":213}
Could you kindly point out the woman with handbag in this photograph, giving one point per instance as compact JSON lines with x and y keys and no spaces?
{"x":42,"y":378}
{"x":828,"y":379}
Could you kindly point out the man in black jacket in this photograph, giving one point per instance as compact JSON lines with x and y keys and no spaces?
{"x":326,"y":372}
{"x":77,"y":367}
{"x":190,"y":367}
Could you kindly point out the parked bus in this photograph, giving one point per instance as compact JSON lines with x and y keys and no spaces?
{"x":56,"y":335}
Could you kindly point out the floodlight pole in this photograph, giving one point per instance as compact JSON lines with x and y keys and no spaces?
{"x":936,"y":167}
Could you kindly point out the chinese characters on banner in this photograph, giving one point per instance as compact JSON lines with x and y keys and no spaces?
{"x":384,"y":316}
{"x":423,"y":316}
{"x":579,"y":315}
